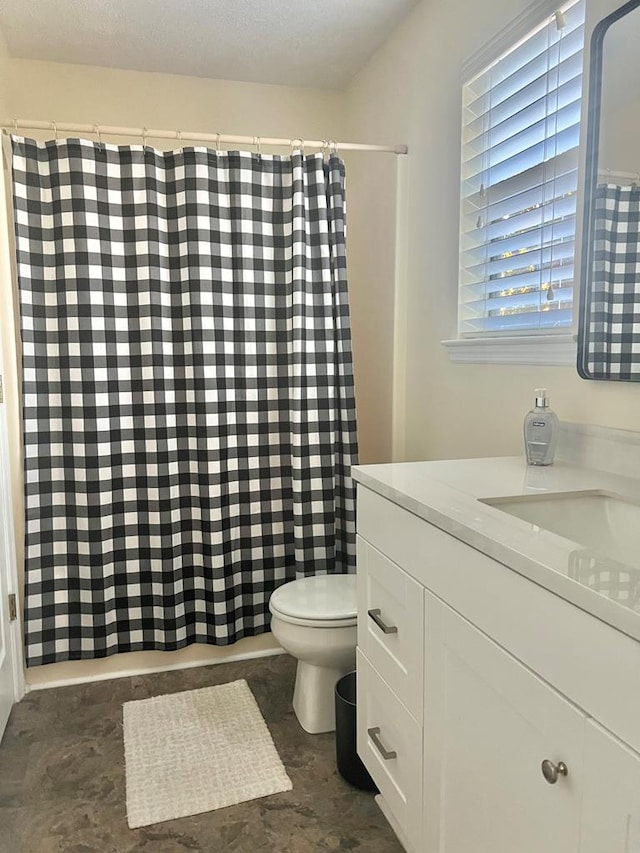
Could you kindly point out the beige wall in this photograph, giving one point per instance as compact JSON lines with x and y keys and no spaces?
{"x":51,"y":91}
{"x":410,"y":92}
{"x":370,"y":235}
{"x":619,"y":141}
{"x":4,"y":62}
{"x":76,"y":93}
{"x":619,"y":148}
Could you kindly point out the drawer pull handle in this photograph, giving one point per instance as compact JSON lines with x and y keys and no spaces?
{"x":386,"y":629}
{"x":385,"y":753}
{"x":551,"y":771}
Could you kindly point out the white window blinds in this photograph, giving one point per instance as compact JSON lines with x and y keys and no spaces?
{"x":521,"y":127}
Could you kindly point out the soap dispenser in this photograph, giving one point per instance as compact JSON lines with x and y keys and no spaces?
{"x":541,"y":431}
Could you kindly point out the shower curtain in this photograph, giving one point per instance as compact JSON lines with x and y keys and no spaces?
{"x":188,"y":404}
{"x":614,"y":311}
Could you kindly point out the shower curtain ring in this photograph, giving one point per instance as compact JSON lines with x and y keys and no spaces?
{"x":144,"y":137}
{"x":300,"y":144}
{"x":334,"y":147}
{"x":256,"y":142}
{"x":96,"y":128}
{"x":15,"y":125}
{"x":54,"y":128}
{"x":179,"y":132}
{"x":218,"y":137}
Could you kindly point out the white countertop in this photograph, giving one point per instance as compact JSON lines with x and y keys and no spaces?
{"x":448,"y":494}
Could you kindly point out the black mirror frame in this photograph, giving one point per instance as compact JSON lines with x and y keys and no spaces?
{"x":590,"y":181}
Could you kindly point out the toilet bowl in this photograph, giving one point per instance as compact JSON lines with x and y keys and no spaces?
{"x":314,"y":620}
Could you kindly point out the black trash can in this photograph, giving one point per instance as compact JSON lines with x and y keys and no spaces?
{"x":350,"y":766}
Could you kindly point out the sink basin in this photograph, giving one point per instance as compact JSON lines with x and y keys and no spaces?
{"x":598,"y":520}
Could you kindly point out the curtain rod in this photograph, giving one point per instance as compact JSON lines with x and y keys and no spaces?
{"x":14,"y":125}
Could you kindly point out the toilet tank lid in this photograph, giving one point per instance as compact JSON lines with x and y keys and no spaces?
{"x":317,"y":597}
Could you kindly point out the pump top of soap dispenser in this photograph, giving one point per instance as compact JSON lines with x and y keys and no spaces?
{"x":542,"y":401}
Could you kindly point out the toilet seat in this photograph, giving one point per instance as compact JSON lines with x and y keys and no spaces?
{"x":315,"y":623}
{"x":320,"y":601}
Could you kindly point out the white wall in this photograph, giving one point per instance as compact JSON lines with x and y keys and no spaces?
{"x":58,"y":92}
{"x":410,"y":92}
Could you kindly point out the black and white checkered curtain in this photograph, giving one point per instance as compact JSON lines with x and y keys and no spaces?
{"x":189,"y":416}
{"x":614,"y":317}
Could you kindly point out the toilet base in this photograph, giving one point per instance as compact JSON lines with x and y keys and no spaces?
{"x":313,"y":696}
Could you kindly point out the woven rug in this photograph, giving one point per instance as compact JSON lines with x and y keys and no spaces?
{"x":195,"y":751}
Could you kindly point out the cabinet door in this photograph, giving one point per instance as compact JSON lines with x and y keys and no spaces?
{"x":611,"y":802}
{"x":489,"y":724}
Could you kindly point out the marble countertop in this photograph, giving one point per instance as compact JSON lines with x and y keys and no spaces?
{"x":449,"y":494}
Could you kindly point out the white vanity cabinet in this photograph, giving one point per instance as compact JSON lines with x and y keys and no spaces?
{"x":470,"y":676}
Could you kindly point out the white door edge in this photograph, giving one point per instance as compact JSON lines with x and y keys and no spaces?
{"x":8,"y":534}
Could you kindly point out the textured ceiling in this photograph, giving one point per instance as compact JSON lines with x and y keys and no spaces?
{"x":319,"y":43}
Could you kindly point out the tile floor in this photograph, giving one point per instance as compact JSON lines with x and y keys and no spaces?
{"x":62,"y":777}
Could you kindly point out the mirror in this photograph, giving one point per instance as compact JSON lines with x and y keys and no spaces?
{"x":609,"y":333}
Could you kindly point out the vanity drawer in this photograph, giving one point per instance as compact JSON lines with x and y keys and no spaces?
{"x":390,"y":745}
{"x":391,"y":624}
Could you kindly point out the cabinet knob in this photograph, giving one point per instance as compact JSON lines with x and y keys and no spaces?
{"x":551,"y":771}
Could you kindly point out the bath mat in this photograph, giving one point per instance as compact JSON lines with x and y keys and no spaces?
{"x":191,"y":752}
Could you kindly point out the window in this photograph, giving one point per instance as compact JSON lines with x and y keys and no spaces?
{"x":520,"y":136}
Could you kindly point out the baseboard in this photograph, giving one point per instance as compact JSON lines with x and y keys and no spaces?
{"x":127,"y":673}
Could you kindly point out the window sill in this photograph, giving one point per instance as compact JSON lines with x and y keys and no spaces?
{"x":527,"y":349}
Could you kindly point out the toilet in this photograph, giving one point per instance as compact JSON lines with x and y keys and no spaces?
{"x":314,"y":620}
